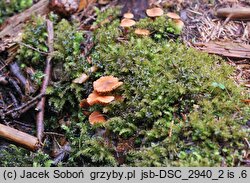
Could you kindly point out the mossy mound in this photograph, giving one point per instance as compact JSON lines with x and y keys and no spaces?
{"x":181,"y":107}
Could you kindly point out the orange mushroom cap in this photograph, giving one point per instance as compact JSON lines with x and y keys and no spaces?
{"x":128,"y":15}
{"x":173,"y":15}
{"x":106,"y":84}
{"x":127,"y":22}
{"x":154,"y":12}
{"x":96,"y":117}
{"x":95,"y":98}
{"x":143,"y":32}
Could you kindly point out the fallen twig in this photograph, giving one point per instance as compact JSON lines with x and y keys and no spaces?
{"x":234,"y":13}
{"x":23,"y":108}
{"x":31,"y":47}
{"x":171,"y":129}
{"x":23,"y":139}
{"x":41,"y":104}
{"x":14,"y":84}
{"x":16,"y":71}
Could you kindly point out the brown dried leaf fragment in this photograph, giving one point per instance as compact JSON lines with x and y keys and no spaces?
{"x":143,"y":32}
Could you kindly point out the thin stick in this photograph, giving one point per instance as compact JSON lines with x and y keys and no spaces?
{"x":24,"y":106}
{"x":171,"y":129}
{"x":41,"y":104}
{"x":234,"y":13}
{"x":16,"y":71}
{"x":23,"y":139}
{"x":30,"y":47}
{"x":54,"y":133}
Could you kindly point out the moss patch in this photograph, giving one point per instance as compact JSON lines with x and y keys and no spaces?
{"x":180,"y":108}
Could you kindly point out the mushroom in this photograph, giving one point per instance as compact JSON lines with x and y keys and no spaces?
{"x":143,"y":32}
{"x":127,"y":23}
{"x":128,"y":15}
{"x":154,"y":12}
{"x":173,"y":15}
{"x":84,"y":103}
{"x":178,"y":25}
{"x":106,"y":84}
{"x":96,"y":117}
{"x":103,"y":2}
{"x":95,"y":98}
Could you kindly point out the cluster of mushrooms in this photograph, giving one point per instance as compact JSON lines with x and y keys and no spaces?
{"x":101,"y":95}
{"x":128,"y":21}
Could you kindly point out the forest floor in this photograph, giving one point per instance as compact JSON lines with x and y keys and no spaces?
{"x":78,"y":88}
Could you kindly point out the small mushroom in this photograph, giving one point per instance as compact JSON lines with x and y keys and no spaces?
{"x":178,"y":25}
{"x":127,"y":22}
{"x":103,"y":2}
{"x":173,"y":16}
{"x":96,"y":117}
{"x":95,"y":98}
{"x":142,"y":32}
{"x":106,"y":84}
{"x":154,"y":12}
{"x":128,"y":15}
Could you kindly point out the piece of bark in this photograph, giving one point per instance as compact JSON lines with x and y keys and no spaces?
{"x":41,"y":104}
{"x":12,"y":27}
{"x":23,"y":139}
{"x":234,"y":13}
{"x":227,"y":49}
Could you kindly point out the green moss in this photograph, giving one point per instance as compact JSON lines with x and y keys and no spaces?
{"x":8,"y":9}
{"x":13,"y":156}
{"x":68,"y":62}
{"x":181,"y":107}
{"x":163,"y":82}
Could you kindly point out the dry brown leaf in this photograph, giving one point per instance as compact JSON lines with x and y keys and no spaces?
{"x":82,"y":79}
{"x":143,"y":32}
{"x":84,"y":3}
